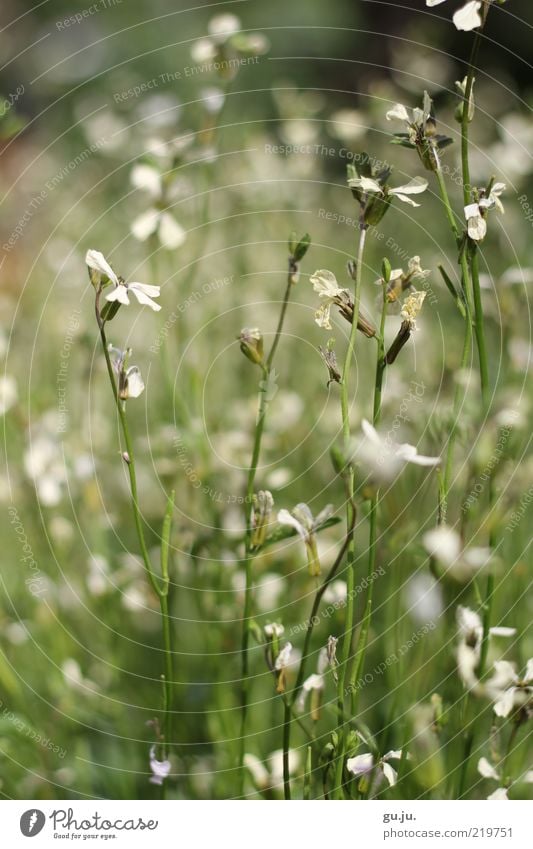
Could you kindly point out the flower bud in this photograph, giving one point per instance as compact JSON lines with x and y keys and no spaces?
{"x":251,"y":344}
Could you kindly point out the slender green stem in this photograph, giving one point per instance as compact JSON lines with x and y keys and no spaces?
{"x":161,"y":588}
{"x":286,"y":749}
{"x":248,"y":558}
{"x":373,"y":516}
{"x":350,"y":508}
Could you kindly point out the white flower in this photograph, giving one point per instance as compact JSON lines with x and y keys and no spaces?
{"x":414,"y":187}
{"x":314,"y":682}
{"x":467,"y":17}
{"x":97,"y":262}
{"x":148,"y":178}
{"x":499,"y":795}
{"x":475,"y":213}
{"x":485,"y":769}
{"x":270,"y":778}
{"x":8,"y":393}
{"x":414,"y":119}
{"x":160,"y":769}
{"x":283,"y":659}
{"x":508,"y":690}
{"x":444,"y":544}
{"x":272,"y":629}
{"x":221,"y":27}
{"x":130,"y":382}
{"x":170,"y":233}
{"x":384,"y":458}
{"x":470,"y":629}
{"x":328,"y":290}
{"x":303,"y":521}
{"x":213,"y":99}
{"x":363,"y":765}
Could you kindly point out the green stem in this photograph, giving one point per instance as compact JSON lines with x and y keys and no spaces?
{"x":350,"y":508}
{"x":161,"y":590}
{"x":286,"y":749}
{"x":248,"y":559}
{"x":373,"y":516}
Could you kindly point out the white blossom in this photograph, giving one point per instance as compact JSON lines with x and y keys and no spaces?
{"x":160,"y":769}
{"x":273,"y":629}
{"x":303,"y":521}
{"x":283,"y":659}
{"x":385,"y":458}
{"x":467,"y":17}
{"x":364,"y":765}
{"x":143,"y":292}
{"x":368,"y":185}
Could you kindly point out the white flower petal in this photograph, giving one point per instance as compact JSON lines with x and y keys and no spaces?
{"x":361,"y":764}
{"x":398,"y":112}
{"x":499,"y":795}
{"x":415,"y":187}
{"x":443,"y":543}
{"x":468,"y":18}
{"x":171,"y":234}
{"x":98,"y":262}
{"x":145,"y":224}
{"x":147,"y":178}
{"x":390,"y":774}
{"x":119,"y":293}
{"x":134,"y":382}
{"x":486,"y":769}
{"x":505,"y":703}
{"x":142,"y":292}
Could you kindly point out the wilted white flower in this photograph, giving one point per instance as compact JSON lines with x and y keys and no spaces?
{"x":303,"y":521}
{"x":467,"y":17}
{"x":144,"y":293}
{"x":411,"y":307}
{"x":270,"y":777}
{"x":160,"y":769}
{"x":262,"y":506}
